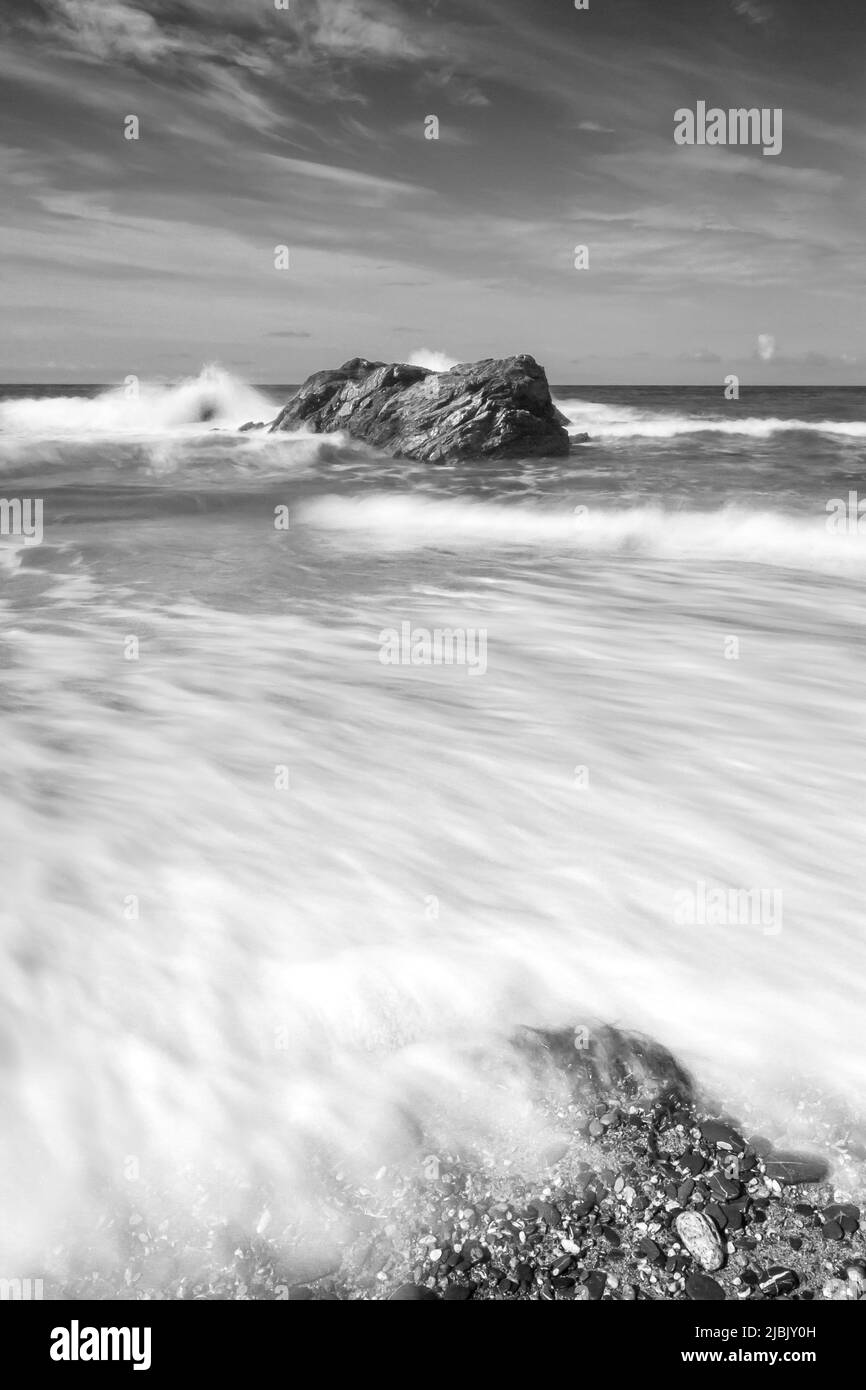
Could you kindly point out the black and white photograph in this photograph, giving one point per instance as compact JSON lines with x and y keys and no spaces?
{"x":432,"y":663}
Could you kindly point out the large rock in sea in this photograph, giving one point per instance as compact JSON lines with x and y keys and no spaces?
{"x":495,"y":409}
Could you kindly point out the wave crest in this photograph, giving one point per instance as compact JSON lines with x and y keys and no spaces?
{"x":214,"y":399}
{"x":601,"y":421}
{"x":729,"y":533}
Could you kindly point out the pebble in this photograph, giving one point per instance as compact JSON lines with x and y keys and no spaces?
{"x":703,"y":1289}
{"x":650,"y":1250}
{"x":725,"y":1188}
{"x":795,"y":1168}
{"x":694,"y":1162}
{"x":831,"y":1230}
{"x":779,"y":1280}
{"x":836,"y":1290}
{"x":701,"y":1239}
{"x":725,"y":1136}
{"x":413,"y":1293}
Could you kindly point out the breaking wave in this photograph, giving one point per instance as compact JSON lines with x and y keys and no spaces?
{"x":629,"y":422}
{"x":213,"y":399}
{"x":729,"y":533}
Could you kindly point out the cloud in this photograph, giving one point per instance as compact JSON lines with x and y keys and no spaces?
{"x":753,"y":10}
{"x":363,"y":28}
{"x":766,"y":347}
{"x":110,"y":29}
{"x":595,"y":128}
{"x":700,"y":355}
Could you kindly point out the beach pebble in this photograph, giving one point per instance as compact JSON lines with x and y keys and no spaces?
{"x":836,"y":1290}
{"x":795,"y":1168}
{"x":724,"y":1136}
{"x":779,"y":1280}
{"x":701,"y":1239}
{"x":413,"y":1293}
{"x":703,"y":1289}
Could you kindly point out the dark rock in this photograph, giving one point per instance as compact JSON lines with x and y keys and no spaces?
{"x":650,"y":1250}
{"x":457,"y":1293}
{"x":491,"y":409}
{"x":694,"y":1162}
{"x":722,"y":1135}
{"x":832,"y":1230}
{"x":685,"y":1191}
{"x":703,"y":1289}
{"x":837,"y":1211}
{"x":524,"y":1273}
{"x":795,"y":1168}
{"x":596,"y":1282}
{"x":252,"y":425}
{"x":727,"y":1189}
{"x":717,"y":1214}
{"x":413,"y":1293}
{"x":734,"y":1217}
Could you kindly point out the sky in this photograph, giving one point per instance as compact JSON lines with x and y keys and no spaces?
{"x":304,"y":126}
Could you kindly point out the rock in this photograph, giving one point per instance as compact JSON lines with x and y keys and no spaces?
{"x":491,"y":409}
{"x":694,"y":1162}
{"x":413,"y":1293}
{"x":795,"y":1168}
{"x":723,"y":1136}
{"x":595,"y":1284}
{"x":857,"y":1280}
{"x":726,"y":1189}
{"x":252,"y":425}
{"x":457,"y":1293}
{"x":701,"y":1239}
{"x":703,"y":1289}
{"x":650,"y":1251}
{"x":779,"y":1280}
{"x":839,"y":1211}
{"x":831,"y":1230}
{"x":836,"y":1290}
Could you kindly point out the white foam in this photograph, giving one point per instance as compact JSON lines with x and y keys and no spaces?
{"x":602,"y":421}
{"x":730,"y":534}
{"x":213,"y":399}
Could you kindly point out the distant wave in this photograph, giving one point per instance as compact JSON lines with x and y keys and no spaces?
{"x":628,"y":422}
{"x":731,"y":533}
{"x":213,"y":399}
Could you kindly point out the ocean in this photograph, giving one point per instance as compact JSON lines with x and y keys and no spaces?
{"x":274,"y":903}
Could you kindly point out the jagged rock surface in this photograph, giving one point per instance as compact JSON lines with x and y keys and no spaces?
{"x":492,"y":409}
